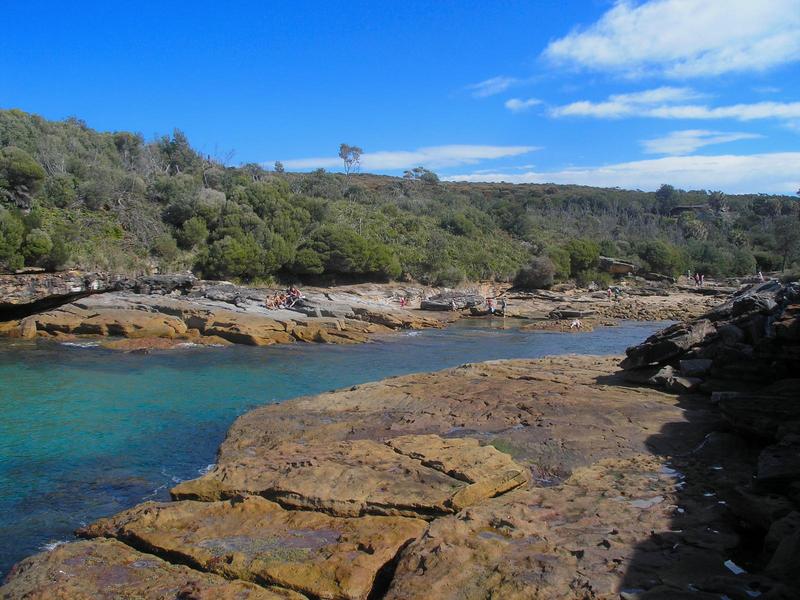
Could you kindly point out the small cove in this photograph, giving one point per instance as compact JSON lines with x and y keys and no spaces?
{"x":87,"y":432}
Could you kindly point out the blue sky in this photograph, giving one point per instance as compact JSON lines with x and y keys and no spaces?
{"x":696,"y":93}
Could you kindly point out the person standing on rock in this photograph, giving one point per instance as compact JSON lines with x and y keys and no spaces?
{"x":490,"y":305}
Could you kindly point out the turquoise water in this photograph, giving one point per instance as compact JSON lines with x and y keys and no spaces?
{"x":87,"y":432}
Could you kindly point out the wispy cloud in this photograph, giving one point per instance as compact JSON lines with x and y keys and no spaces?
{"x":432,"y":157}
{"x":687,"y":141}
{"x":669,"y":103}
{"x":623,"y":105}
{"x":519,"y":105}
{"x":493,"y":86}
{"x":777,"y":172}
{"x":685,"y":38}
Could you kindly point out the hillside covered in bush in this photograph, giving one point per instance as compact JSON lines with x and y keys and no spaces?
{"x":74,"y":197}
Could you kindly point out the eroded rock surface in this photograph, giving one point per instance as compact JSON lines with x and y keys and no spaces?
{"x":254,"y":539}
{"x":410,"y":475}
{"x":110,"y":570}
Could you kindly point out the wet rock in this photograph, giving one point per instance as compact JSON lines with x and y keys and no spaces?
{"x":256,"y":540}
{"x":109,"y":570}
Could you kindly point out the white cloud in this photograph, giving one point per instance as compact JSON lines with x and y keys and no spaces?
{"x":777,"y":172}
{"x":432,"y":157}
{"x":518,"y":105}
{"x":669,"y":103}
{"x":687,"y":141}
{"x":490,"y":87}
{"x":685,"y":38}
{"x":623,"y":105}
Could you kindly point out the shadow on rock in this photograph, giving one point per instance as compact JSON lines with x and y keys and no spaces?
{"x":735,"y":528}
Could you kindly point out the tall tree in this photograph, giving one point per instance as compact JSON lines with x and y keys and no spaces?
{"x":351,"y":156}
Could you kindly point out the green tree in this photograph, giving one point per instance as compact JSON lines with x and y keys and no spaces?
{"x":786,"y":231}
{"x":20,"y":176}
{"x":37,"y":245}
{"x":11,"y":235}
{"x":583,"y":255}
{"x":192,"y":233}
{"x":661,"y":257}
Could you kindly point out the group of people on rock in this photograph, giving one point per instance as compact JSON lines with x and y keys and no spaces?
{"x":490,"y":305}
{"x":285,"y":299}
{"x":699,"y":279}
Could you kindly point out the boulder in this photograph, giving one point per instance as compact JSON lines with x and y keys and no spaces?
{"x":668,"y":344}
{"x":446,"y":301}
{"x":616,"y":266}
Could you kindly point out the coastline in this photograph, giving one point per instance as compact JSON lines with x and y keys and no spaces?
{"x":556,"y":477}
{"x":162,"y":312}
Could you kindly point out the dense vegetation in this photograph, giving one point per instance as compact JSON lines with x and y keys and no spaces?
{"x":71,"y":196}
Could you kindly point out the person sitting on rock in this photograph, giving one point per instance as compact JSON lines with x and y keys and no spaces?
{"x":576,"y":324}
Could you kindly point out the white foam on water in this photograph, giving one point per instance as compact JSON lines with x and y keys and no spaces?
{"x":206,"y":469}
{"x":50,"y":546}
{"x":413,"y":333}
{"x":81,"y":344}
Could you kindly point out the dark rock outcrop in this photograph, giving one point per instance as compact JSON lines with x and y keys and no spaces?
{"x":746,"y":352}
{"x":452,"y":300}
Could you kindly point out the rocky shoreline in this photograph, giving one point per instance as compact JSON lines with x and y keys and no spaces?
{"x":550,"y":478}
{"x":168,"y":311}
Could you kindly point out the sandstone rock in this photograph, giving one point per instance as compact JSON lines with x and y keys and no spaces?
{"x":243,"y":328}
{"x":356,"y":477}
{"x":110,"y":570}
{"x":616,"y":266}
{"x":256,"y":540}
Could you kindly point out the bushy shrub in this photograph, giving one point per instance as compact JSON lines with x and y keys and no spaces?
{"x":449,"y":277}
{"x":12,"y":232}
{"x":37,"y":245}
{"x":193,"y":232}
{"x":537,"y":275}
{"x":560,"y":259}
{"x":583,"y":255}
{"x":661,"y":257}
{"x":166,"y":248}
{"x":593,"y":276}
